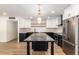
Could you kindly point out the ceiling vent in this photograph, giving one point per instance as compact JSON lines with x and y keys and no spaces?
{"x":11,"y":17}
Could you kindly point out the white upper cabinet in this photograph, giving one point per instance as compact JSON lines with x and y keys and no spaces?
{"x":71,"y":11}
{"x":52,"y":23}
{"x":67,"y":12}
{"x":27,"y":23}
{"x":23,"y":23}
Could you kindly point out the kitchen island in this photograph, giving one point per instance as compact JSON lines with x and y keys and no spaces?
{"x":39,"y":37}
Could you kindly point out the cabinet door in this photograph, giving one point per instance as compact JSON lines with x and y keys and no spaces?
{"x":67,"y":12}
{"x":22,"y":36}
{"x":49,"y":23}
{"x":24,"y":23}
{"x":52,"y":23}
{"x":71,"y":11}
{"x":21,"y":23}
{"x":76,"y":9}
{"x":27,"y":23}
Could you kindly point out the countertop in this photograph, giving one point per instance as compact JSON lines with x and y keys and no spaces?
{"x":39,"y":37}
{"x":43,"y":32}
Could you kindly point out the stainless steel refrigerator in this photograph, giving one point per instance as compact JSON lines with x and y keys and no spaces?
{"x":68,"y":41}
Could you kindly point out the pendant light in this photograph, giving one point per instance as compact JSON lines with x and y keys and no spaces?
{"x":39,"y":19}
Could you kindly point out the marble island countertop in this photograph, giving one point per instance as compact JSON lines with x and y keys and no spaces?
{"x":39,"y":37}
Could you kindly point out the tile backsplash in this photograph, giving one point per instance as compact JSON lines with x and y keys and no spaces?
{"x":41,"y":29}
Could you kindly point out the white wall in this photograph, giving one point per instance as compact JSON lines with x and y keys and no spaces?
{"x":11,"y":30}
{"x":2,"y":30}
{"x":7,"y":29}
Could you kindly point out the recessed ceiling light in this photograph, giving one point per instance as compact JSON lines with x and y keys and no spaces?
{"x":4,"y":13}
{"x":53,"y":11}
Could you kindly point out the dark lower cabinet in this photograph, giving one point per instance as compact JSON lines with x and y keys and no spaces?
{"x":50,"y":34}
{"x":68,"y":49}
{"x":40,"y":46}
{"x":23,"y":36}
{"x":56,"y":37}
{"x":59,"y":40}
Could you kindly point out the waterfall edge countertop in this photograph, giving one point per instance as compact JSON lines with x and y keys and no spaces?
{"x":39,"y":37}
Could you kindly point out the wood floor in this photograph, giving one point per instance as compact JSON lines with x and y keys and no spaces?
{"x":14,"y":48}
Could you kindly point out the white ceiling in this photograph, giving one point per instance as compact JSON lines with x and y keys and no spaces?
{"x":31,"y":10}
